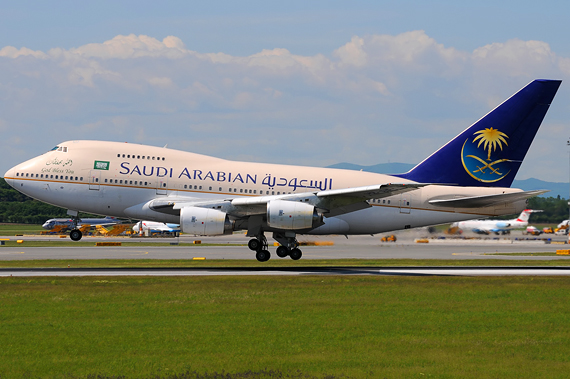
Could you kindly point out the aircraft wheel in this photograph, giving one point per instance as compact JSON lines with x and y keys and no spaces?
{"x":254,"y":244}
{"x":282,"y":251}
{"x":75,"y":235}
{"x":263,"y":255}
{"x":295,"y":254}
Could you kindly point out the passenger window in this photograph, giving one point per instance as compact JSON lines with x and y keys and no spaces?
{"x":254,"y":191}
{"x":200,"y":187}
{"x":118,"y":155}
{"x":220,"y":189}
{"x":241,"y":190}
{"x":210,"y":188}
{"x":131,"y":182}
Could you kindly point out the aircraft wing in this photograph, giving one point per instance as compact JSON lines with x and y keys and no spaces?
{"x":330,"y":202}
{"x":485,"y":200}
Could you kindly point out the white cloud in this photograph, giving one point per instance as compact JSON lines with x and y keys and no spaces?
{"x":12,"y":52}
{"x":132,"y":46}
{"x":352,"y":53}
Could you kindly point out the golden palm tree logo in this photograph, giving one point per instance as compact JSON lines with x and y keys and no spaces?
{"x":491,"y":139}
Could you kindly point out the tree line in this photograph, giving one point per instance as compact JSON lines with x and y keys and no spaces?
{"x":16,"y":207}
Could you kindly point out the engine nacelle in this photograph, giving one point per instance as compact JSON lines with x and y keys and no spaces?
{"x":204,"y":221}
{"x":292,"y":215}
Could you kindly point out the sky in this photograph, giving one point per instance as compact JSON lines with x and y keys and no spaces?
{"x":307,"y":83}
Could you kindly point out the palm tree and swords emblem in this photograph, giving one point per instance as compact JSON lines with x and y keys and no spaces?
{"x":490,"y":168}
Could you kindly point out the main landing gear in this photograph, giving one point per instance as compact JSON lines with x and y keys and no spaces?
{"x":288,"y":247}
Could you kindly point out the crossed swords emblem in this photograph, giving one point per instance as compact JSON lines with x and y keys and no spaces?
{"x":489,"y":165}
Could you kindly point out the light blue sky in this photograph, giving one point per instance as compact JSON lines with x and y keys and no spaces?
{"x":364,"y":82}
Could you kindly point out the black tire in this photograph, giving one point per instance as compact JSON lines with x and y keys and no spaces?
{"x":282,"y":252}
{"x":295,"y":254}
{"x":263,"y":255}
{"x":75,"y":235}
{"x":254,"y":244}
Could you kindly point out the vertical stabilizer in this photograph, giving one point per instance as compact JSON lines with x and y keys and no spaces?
{"x":490,"y":152}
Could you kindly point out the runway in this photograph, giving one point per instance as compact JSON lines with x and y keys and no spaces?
{"x":355,"y":247}
{"x":289,"y":271}
{"x":359,"y":247}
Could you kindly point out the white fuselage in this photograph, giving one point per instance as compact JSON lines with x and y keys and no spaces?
{"x":120,"y":179}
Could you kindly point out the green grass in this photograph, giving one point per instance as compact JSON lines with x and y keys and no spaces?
{"x":357,"y":327}
{"x":13,"y":229}
{"x":236,"y":263}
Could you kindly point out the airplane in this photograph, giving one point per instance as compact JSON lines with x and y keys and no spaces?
{"x":52,"y":222}
{"x":469,"y":177}
{"x":155,"y":227}
{"x":495,"y":226}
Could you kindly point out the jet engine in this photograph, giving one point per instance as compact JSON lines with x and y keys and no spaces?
{"x":204,"y":221}
{"x":292,"y":215}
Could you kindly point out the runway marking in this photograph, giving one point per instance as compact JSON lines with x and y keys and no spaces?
{"x":21,"y":252}
{"x":143,"y":253}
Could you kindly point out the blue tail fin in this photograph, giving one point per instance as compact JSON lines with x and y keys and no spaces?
{"x":490,"y":152}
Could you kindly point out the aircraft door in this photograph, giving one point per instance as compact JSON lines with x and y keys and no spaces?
{"x":405,"y":203}
{"x":94,"y":180}
{"x":161,"y":186}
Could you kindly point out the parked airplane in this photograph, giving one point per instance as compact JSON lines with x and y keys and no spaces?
{"x":495,"y":226}
{"x":468,"y":177}
{"x":155,"y":227}
{"x":52,"y":222}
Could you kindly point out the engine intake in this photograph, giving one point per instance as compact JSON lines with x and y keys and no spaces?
{"x":205,"y":221}
{"x":292,"y":215}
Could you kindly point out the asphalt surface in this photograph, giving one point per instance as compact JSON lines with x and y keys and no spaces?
{"x":356,"y":247}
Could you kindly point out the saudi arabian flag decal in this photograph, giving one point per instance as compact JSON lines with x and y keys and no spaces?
{"x":101,"y":165}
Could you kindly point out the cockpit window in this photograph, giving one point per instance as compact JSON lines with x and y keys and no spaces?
{"x":60,"y":148}
{"x":55,"y":148}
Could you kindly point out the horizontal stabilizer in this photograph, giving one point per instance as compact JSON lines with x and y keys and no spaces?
{"x":486,"y":200}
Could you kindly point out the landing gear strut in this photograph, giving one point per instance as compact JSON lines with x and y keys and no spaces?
{"x":259,"y":245}
{"x":75,"y":233}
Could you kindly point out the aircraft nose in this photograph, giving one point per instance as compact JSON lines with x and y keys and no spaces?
{"x":9,"y":177}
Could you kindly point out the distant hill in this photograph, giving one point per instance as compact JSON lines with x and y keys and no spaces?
{"x":556,"y":188}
